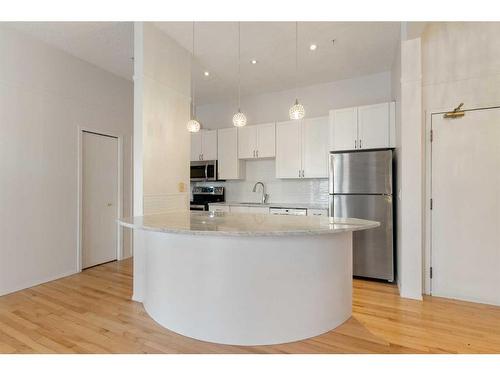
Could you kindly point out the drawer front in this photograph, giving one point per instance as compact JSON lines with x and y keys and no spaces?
{"x":317,"y":212}
{"x":218,"y":208}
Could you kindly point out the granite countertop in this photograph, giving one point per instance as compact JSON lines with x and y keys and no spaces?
{"x":311,"y":206}
{"x":243,"y":224}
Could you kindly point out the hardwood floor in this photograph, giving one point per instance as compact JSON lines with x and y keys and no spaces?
{"x":91,"y":312}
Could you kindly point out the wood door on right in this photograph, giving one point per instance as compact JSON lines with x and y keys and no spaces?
{"x":465,"y":215}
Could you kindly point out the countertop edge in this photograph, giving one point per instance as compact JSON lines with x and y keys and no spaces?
{"x":348,"y":228}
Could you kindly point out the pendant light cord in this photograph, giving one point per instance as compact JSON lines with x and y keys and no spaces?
{"x":239,"y":66}
{"x":193,"y":110}
{"x":296,"y":60}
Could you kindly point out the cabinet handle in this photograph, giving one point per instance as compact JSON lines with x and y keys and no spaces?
{"x":257,"y":153}
{"x":355,"y":143}
{"x":360,"y":143}
{"x":299,"y":173}
{"x":253,"y":153}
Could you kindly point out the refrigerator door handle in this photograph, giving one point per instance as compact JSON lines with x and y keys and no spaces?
{"x":331,"y":162}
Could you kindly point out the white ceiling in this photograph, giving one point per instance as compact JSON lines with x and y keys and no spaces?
{"x":360,"y":48}
{"x":109,"y":45}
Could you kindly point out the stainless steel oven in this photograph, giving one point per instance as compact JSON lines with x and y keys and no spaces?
{"x":204,"y":195}
{"x":204,"y":170}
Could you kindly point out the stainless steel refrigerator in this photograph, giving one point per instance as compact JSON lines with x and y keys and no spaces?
{"x":361,"y":186}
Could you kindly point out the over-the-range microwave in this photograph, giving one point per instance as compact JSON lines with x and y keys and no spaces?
{"x":204,"y":170}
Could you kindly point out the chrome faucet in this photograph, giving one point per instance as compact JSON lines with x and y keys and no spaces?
{"x":264,"y":195}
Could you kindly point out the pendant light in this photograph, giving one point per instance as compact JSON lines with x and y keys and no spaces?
{"x":193,"y":125}
{"x":297,"y":110}
{"x":239,"y":119}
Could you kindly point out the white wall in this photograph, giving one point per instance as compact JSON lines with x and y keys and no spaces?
{"x":460,"y":63}
{"x":310,"y":190}
{"x":317,"y":99}
{"x":45,"y":96}
{"x":268,"y":107}
{"x":166,"y":145}
{"x":411,"y":179}
{"x":162,"y":81}
{"x":396,"y":97}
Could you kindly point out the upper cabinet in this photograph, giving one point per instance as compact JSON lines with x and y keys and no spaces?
{"x":315,"y":150}
{"x":366,"y":127}
{"x":302,"y":148}
{"x":256,"y":141}
{"x":204,"y":145}
{"x":229,"y":166}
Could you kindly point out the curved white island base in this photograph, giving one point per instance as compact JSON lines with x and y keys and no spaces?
{"x":245,"y":279}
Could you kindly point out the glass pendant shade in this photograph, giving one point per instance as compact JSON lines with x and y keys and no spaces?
{"x":297,"y":111}
{"x":193,"y":126}
{"x":239,"y":119}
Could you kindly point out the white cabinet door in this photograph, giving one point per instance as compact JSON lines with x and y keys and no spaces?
{"x":229,"y":166}
{"x":266,"y":140}
{"x":249,"y":210}
{"x":344,"y":129}
{"x":373,"y":126}
{"x":288,"y":149}
{"x":315,"y":147}
{"x":258,"y":210}
{"x":209,"y":145}
{"x":218,"y":208}
{"x":195,"y":146}
{"x":247,"y":142}
{"x":317,"y":212}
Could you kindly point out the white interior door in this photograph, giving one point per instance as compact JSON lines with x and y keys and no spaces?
{"x":465,"y":217}
{"x":99,"y":199}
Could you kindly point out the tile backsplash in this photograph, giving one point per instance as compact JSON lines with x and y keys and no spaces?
{"x":280,"y":190}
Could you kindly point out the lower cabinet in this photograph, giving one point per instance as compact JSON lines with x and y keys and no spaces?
{"x":259,"y":210}
{"x":317,"y":212}
{"x":218,"y":208}
{"x":249,"y":210}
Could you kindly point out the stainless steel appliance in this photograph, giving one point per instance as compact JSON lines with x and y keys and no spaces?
{"x":361,"y":186}
{"x":204,"y":170}
{"x":203,"y":195}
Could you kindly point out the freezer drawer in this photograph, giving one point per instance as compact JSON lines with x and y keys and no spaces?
{"x":373,"y":253}
{"x":365,"y":172}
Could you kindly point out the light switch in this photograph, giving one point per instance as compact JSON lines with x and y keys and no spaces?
{"x":182,"y":187}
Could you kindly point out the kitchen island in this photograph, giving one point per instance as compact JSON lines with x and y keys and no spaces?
{"x":244,"y":279}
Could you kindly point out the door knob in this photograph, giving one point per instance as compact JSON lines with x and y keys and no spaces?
{"x":110,"y":204}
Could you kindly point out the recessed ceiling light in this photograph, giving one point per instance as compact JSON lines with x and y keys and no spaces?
{"x":254,"y":61}
{"x":206,"y":74}
{"x":313,"y":47}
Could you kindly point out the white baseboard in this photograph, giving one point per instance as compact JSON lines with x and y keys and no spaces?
{"x":35,"y":282}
